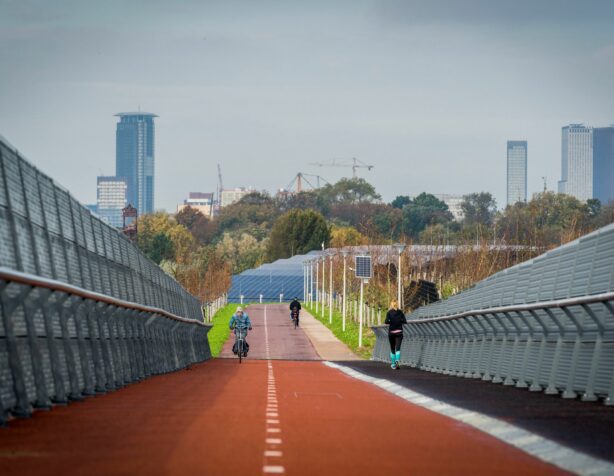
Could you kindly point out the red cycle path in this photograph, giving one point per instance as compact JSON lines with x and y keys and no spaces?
{"x":212,"y":420}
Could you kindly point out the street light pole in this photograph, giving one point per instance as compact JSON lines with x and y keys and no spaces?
{"x":330,"y":291}
{"x":311,"y":281}
{"x":323,"y":282}
{"x":343,"y":312}
{"x":400,"y":247}
{"x":360,"y":312}
{"x":317,"y":283}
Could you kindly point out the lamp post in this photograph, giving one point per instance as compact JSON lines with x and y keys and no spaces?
{"x":361,"y":312}
{"x":344,"y":304}
{"x":310,"y":281}
{"x":400,"y":247}
{"x":364,"y":276}
{"x":323,"y":281}
{"x":317,"y":283}
{"x":330,"y":289}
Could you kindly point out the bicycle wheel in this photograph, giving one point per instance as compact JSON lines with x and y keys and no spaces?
{"x":240,"y":349}
{"x":295,"y":322}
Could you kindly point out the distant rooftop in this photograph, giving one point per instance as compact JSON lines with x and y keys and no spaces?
{"x":141,"y":113}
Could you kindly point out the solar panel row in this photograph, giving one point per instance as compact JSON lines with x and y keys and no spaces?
{"x":283,"y":277}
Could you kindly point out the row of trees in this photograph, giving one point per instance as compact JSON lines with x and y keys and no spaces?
{"x":203,"y":253}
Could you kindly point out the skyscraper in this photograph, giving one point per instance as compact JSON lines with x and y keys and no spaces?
{"x":111,"y":199}
{"x":134,"y":158}
{"x":516,"y":171}
{"x":577,"y":161}
{"x":603,"y":163}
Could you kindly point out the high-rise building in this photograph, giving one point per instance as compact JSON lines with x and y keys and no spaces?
{"x":577,"y":161}
{"x":111,"y":199}
{"x":134,"y":158}
{"x":516,"y":171}
{"x":603,"y":163}
{"x":203,"y":202}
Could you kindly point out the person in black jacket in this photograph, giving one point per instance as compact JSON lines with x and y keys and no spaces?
{"x":295,"y":306}
{"x":395,"y":320}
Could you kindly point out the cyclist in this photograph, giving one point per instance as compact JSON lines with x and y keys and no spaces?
{"x":295,"y":306}
{"x":395,"y":320}
{"x":240,"y":320}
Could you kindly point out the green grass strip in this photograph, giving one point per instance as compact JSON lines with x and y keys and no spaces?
{"x":220,"y":332}
{"x":350,"y":336}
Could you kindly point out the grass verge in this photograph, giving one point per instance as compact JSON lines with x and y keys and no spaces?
{"x":350,"y":336}
{"x":220,"y":332}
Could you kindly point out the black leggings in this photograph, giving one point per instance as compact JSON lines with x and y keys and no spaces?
{"x":395,"y":342}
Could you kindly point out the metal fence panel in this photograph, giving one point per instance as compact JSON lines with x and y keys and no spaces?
{"x":547,"y":324}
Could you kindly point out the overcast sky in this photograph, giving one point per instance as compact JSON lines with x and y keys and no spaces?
{"x":426,"y":91}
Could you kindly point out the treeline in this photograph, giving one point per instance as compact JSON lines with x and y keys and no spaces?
{"x":203,"y":253}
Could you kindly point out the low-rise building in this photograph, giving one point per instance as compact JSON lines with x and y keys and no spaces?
{"x":201,"y":201}
{"x":233,"y":195}
{"x":111,"y":199}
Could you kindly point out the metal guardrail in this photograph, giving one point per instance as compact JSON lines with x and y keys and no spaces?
{"x":82,"y":309}
{"x":59,"y":342}
{"x":44,"y":231}
{"x":563,"y":345}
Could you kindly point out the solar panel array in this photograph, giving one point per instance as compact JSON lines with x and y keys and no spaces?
{"x":284,"y":276}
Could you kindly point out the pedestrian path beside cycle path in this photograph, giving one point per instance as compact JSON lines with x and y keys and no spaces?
{"x":326,"y":344}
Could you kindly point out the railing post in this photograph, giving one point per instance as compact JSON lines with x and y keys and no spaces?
{"x":589,"y":392}
{"x":551,"y":389}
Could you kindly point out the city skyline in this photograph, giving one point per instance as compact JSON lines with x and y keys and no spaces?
{"x":426,"y":92}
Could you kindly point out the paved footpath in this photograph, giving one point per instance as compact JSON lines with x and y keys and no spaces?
{"x":264,"y":416}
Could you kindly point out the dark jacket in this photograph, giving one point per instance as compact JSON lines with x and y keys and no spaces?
{"x":295,"y":304}
{"x":395,"y":320}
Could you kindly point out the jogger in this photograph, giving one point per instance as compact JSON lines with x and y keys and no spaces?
{"x":395,"y":320}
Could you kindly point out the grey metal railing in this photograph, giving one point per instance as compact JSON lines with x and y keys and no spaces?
{"x":547,"y":324}
{"x":82,"y":309}
{"x":44,"y":231}
{"x":59,"y":342}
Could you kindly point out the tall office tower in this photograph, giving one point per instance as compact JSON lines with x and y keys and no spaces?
{"x":134,"y":158}
{"x":111,"y":199}
{"x":516,"y":171}
{"x":577,"y":162}
{"x":603,"y":163}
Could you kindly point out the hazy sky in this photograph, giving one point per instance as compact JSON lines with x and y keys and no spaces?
{"x":427,"y":91}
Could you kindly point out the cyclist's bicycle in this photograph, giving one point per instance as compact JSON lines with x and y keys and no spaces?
{"x":240,"y":342}
{"x":294,"y":316}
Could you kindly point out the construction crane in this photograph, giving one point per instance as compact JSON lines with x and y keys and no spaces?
{"x":354,"y":163}
{"x":299,"y":178}
{"x":220,"y":186}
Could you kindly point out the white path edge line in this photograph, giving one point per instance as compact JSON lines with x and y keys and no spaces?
{"x":531,"y":443}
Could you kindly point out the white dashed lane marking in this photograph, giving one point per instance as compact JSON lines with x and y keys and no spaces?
{"x":272,"y":453}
